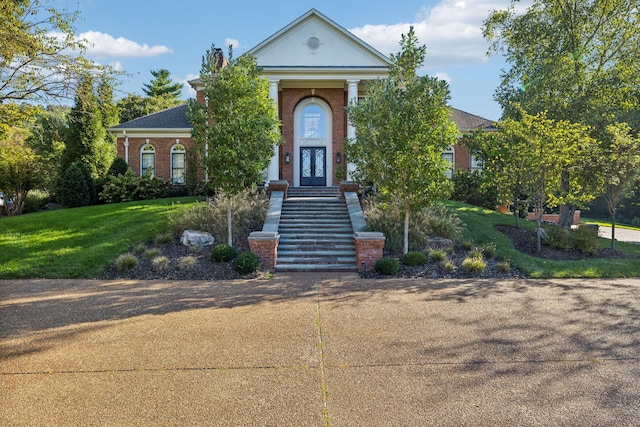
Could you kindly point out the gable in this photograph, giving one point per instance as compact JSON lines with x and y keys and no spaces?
{"x":314,"y":41}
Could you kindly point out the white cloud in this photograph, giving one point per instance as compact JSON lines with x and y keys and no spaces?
{"x":232,"y":42}
{"x":101,"y":45}
{"x":191,"y":92}
{"x":443,"y":76}
{"x":452,"y":31}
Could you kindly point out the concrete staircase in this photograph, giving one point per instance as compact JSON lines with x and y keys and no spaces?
{"x":315,"y":232}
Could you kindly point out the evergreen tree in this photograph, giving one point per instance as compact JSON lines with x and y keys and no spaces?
{"x":75,"y":190}
{"x":86,"y":136}
{"x":161,"y":85}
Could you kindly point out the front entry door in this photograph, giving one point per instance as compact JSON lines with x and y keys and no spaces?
{"x":313,"y":166}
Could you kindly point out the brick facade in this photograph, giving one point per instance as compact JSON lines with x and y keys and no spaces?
{"x":289,"y":99}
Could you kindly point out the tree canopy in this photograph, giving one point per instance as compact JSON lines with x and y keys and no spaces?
{"x":402,"y":128}
{"x":161,"y":85}
{"x":40,"y":58}
{"x":236,"y":131}
{"x":576,"y":59}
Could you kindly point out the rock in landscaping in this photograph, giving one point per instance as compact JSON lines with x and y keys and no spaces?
{"x":197,"y":238}
{"x":440,"y":243}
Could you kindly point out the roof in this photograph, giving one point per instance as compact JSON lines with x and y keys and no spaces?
{"x":303,"y":23}
{"x":468,"y":122}
{"x":172,"y":118}
{"x":176,"y":118}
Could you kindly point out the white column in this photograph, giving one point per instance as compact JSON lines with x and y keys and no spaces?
{"x":274,"y":165}
{"x":126,"y":147}
{"x":352,"y":96}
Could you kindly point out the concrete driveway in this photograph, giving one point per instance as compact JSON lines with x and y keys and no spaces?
{"x":320,"y":351}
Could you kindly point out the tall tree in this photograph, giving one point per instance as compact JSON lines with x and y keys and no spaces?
{"x":40,"y":58}
{"x":236,"y":131}
{"x":85,"y":140}
{"x":161,"y":85}
{"x":576,"y":59}
{"x":619,"y":166}
{"x":47,"y":136}
{"x":402,"y":128}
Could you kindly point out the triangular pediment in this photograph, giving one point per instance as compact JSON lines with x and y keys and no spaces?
{"x":315,"y":41}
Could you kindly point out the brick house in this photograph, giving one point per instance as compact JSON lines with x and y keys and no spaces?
{"x":315,"y":68}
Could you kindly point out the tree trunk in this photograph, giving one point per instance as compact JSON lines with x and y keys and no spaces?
{"x":407,"y":213}
{"x":516,"y":210}
{"x":613,"y":229}
{"x":539,"y":232}
{"x":229,"y":223}
{"x":566,"y":216}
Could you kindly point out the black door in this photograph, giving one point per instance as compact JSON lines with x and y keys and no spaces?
{"x":313,"y":162}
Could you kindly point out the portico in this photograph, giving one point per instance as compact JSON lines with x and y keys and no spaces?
{"x":315,"y":69}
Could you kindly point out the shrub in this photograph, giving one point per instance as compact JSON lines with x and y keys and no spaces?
{"x":139,"y":249}
{"x":476,"y":253}
{"x":163,"y":239}
{"x":160,"y":262}
{"x":151,"y":253}
{"x":447,"y":265}
{"x":75,"y":189}
{"x":474,"y":265}
{"x":437,"y":255}
{"x":200,"y":217}
{"x":474,"y":188}
{"x":414,"y":258}
{"x":503,"y":266}
{"x":585,"y":239}
{"x":118,"y":167}
{"x":489,"y":250}
{"x":36,"y":200}
{"x":247,"y":262}
{"x":387,"y":266}
{"x":188,"y":262}
{"x":388,"y":218}
{"x":130,"y":187}
{"x":558,"y":238}
{"x":223,"y":253}
{"x":467,"y":245}
{"x":126,"y":262}
{"x":248,"y":211}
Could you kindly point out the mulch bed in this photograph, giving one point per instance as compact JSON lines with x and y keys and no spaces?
{"x":204,"y":269}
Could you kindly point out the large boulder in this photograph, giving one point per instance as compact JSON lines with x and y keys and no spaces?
{"x":197,"y":238}
{"x":440,"y":243}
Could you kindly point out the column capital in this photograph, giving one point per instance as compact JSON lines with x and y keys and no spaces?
{"x":353,"y":81}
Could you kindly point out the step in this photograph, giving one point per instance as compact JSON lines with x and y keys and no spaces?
{"x":315,"y":267}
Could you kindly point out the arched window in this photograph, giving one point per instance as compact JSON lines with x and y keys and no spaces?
{"x":178,"y":164}
{"x":449,"y":155}
{"x":147,"y":159}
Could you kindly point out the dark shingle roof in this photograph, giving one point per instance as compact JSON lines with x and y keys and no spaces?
{"x":176,"y":118}
{"x":467,"y":121}
{"x":173,"y":118}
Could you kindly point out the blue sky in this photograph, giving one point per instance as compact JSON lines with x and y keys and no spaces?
{"x":137,"y":36}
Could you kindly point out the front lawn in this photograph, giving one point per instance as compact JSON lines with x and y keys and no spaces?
{"x":481,"y":229}
{"x":79,"y":242}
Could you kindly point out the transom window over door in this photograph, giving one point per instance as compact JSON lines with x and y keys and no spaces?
{"x":313,"y":122}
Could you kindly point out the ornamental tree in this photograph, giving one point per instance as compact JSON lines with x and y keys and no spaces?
{"x":402,"y":128}
{"x":236,"y":130}
{"x":619,"y":168}
{"x":575,"y":59}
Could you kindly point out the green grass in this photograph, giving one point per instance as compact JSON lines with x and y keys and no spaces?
{"x":80,"y":242}
{"x":608,"y":224}
{"x":481,"y":230}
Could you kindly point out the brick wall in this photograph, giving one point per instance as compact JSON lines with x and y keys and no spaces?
{"x":163,"y":154}
{"x":289,"y":99}
{"x":369,"y":249}
{"x":265,"y":245}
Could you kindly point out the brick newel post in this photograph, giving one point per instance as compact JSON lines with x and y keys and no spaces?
{"x":265,"y":245}
{"x":369,"y":249}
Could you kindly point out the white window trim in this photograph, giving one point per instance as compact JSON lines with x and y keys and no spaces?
{"x":143,"y":151}
{"x":183,"y":151}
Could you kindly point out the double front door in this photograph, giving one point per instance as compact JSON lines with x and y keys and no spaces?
{"x":313,"y":166}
